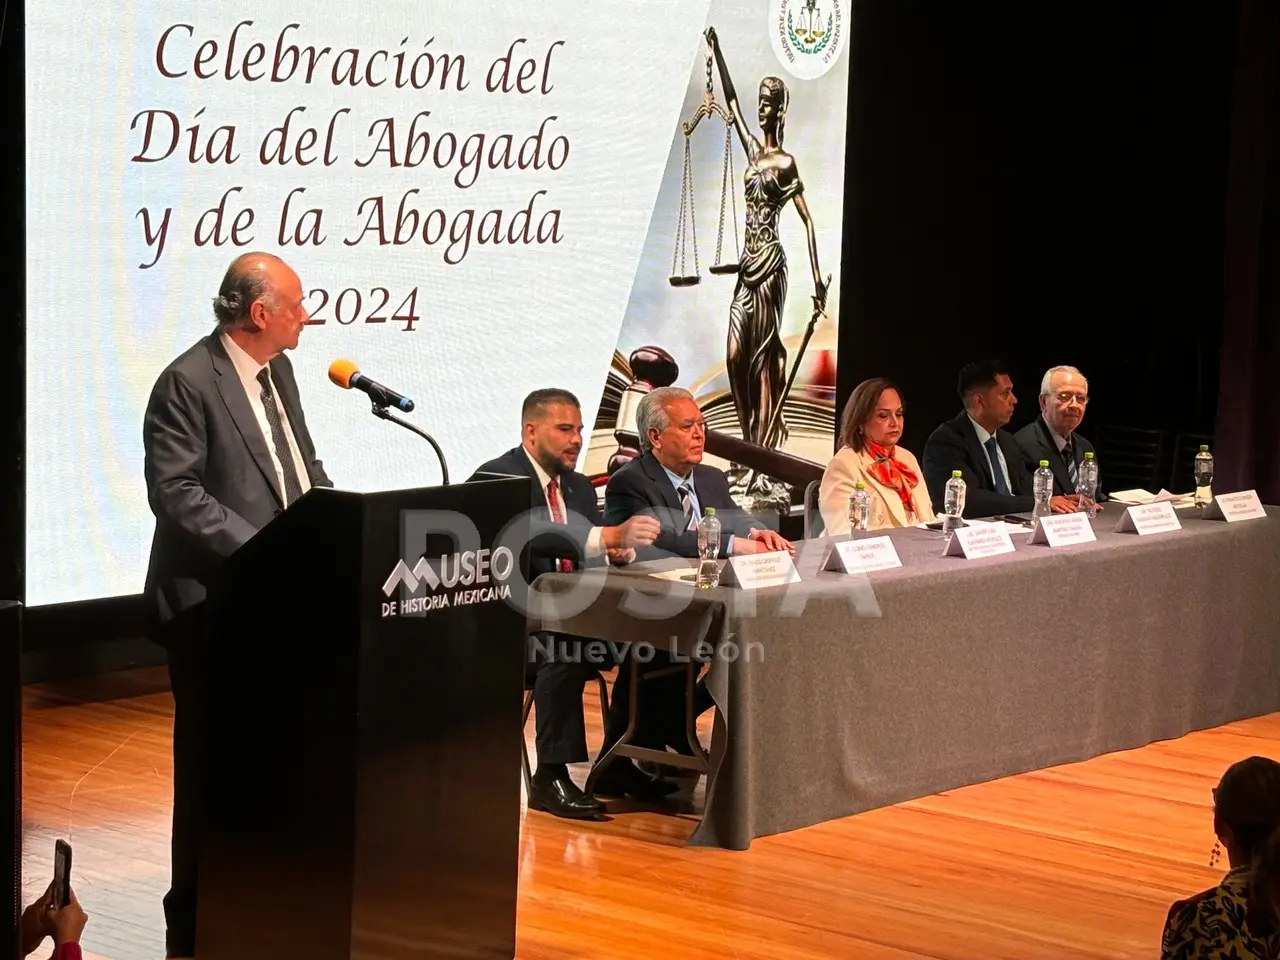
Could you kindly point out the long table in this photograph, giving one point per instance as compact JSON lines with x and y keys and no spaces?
{"x":843,"y":693}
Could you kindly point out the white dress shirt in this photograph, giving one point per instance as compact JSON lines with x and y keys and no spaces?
{"x":1059,"y":441}
{"x":248,"y":369}
{"x":595,"y":539}
{"x":983,"y":437}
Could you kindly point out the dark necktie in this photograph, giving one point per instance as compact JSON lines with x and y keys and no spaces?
{"x":292,"y":487}
{"x":557,"y":516}
{"x":993,"y":454}
{"x":1073,"y":470}
{"x":686,"y":504}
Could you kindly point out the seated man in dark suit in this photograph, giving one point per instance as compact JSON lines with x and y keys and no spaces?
{"x":566,"y":534}
{"x":996,"y":472}
{"x":669,"y":482}
{"x":1052,"y":436}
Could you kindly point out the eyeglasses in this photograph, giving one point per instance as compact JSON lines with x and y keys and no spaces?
{"x":1080,"y":398}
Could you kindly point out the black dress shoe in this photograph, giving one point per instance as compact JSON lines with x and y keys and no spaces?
{"x":624,"y":779}
{"x":562,"y":797}
{"x":665,"y":771}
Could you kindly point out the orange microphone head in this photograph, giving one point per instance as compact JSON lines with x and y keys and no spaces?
{"x":341,"y":372}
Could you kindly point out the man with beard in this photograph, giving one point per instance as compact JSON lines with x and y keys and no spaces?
{"x":567,"y":533}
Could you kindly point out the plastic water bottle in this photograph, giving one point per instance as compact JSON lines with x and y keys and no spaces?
{"x":708,"y":550}
{"x":1204,"y":476}
{"x":859,"y":507}
{"x":1042,"y":488}
{"x":953,"y":503}
{"x":1087,"y":485}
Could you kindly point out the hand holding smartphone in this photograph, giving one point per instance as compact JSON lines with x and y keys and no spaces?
{"x":61,"y":874}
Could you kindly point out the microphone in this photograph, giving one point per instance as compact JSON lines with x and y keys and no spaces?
{"x":346,"y":375}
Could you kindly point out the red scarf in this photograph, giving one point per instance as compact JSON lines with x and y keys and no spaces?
{"x":892,"y":473}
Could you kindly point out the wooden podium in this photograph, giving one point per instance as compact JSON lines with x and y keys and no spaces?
{"x":365,"y":672}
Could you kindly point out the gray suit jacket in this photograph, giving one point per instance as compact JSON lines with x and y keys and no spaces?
{"x":210,"y":479}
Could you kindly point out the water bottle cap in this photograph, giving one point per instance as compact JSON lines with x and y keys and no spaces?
{"x":860,"y":485}
{"x":1044,"y":463}
{"x":1204,"y":448}
{"x":1088,"y":454}
{"x":709,"y":512}
{"x":955,"y":473}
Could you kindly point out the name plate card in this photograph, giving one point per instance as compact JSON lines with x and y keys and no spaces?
{"x":753,"y":571}
{"x":1063,"y":530}
{"x":1149,"y":518}
{"x":974,"y":543}
{"x":1236,"y":506}
{"x":863,"y":556}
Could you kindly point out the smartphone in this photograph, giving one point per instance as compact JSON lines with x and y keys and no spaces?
{"x":61,"y":874}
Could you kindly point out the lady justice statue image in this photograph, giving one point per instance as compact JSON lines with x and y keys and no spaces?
{"x":756,"y":359}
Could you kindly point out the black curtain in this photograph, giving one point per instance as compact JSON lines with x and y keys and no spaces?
{"x":1248,"y":425}
{"x":1045,"y":184}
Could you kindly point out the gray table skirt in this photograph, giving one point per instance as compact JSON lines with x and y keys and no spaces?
{"x":846,"y":693}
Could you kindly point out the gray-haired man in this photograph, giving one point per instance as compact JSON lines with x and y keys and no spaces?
{"x":1052,"y":436}
{"x":226,"y":449}
{"x":670,"y":482}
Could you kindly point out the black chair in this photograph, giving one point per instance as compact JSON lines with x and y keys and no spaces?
{"x":528,"y":708}
{"x":1182,"y":477}
{"x":1131,"y":458}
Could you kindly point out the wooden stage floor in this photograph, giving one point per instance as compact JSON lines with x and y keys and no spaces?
{"x":1079,"y":861}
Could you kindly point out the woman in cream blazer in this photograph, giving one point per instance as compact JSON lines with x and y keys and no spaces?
{"x":870,"y":427}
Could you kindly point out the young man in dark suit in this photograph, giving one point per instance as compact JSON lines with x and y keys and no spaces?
{"x":1054,"y":436}
{"x":996,"y":472}
{"x":226,"y":449}
{"x":566,"y":534}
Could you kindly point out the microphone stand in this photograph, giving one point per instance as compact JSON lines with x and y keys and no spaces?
{"x":379,"y":410}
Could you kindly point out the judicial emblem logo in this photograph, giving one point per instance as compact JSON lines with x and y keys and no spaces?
{"x":808,"y":35}
{"x":453,"y":580}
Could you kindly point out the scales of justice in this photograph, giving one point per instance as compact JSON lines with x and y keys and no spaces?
{"x":755,"y":356}
{"x":686,"y":235}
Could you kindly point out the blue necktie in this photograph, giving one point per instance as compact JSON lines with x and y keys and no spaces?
{"x":993,"y":454}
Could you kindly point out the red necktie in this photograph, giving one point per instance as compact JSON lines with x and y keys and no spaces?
{"x":553,"y":500}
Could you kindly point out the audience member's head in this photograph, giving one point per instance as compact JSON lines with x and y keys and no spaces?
{"x":872,"y":414}
{"x":671,"y":426}
{"x":986,"y":391}
{"x":1064,"y":394}
{"x":551,"y":429}
{"x":1246,"y":818}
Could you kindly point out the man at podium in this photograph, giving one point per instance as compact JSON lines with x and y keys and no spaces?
{"x":226,"y":450}
{"x":567,"y":534}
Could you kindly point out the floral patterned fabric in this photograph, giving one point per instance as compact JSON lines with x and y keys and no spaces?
{"x":1211,"y":926}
